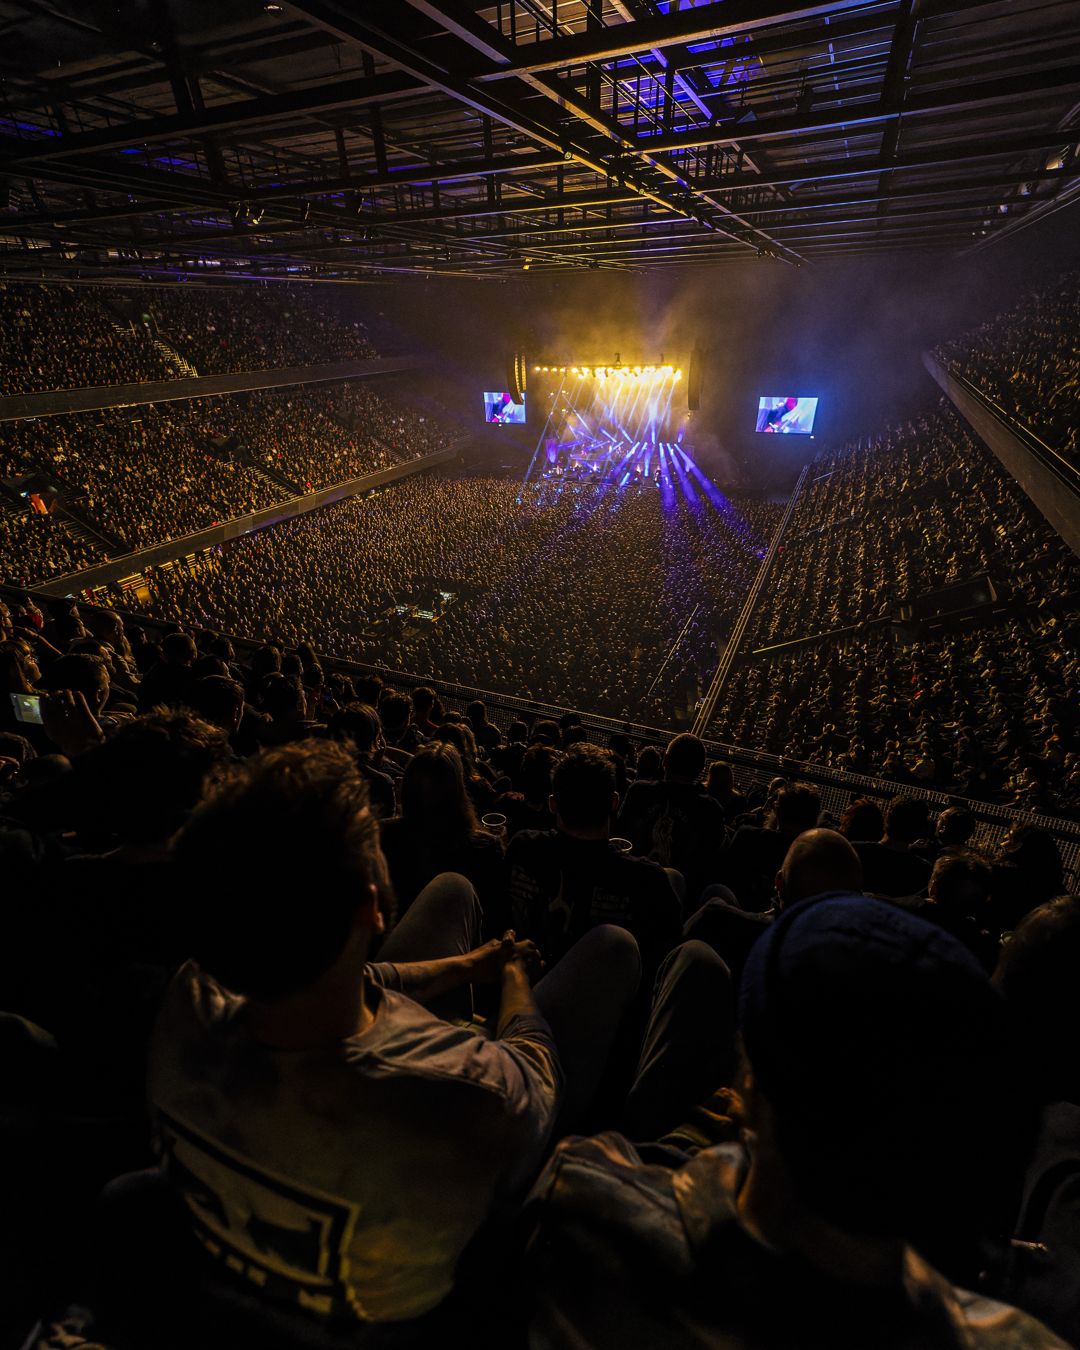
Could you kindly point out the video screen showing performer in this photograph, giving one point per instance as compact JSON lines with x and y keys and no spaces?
{"x":786,"y":415}
{"x":501,"y":409}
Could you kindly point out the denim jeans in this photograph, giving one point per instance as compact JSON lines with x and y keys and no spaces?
{"x":584,"y":998}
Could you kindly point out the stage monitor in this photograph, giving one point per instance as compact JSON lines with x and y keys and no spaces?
{"x":788,"y":415}
{"x":500,"y":408}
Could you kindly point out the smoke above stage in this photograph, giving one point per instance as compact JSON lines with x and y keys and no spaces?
{"x":617,"y":430}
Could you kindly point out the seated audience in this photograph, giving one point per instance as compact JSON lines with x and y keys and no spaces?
{"x":958,"y":900}
{"x":754,"y":854}
{"x":817,"y":862}
{"x":1026,"y":873}
{"x":296,"y":1084}
{"x":438,"y":831}
{"x":873,"y":1049}
{"x":675,"y":821}
{"x":529,"y":808}
{"x":565,"y":881}
{"x":890,"y":866}
{"x":1025,"y":361}
{"x":358,"y":726}
{"x":862,"y":820}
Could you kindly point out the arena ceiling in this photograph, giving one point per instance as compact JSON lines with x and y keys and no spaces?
{"x":359,"y":139}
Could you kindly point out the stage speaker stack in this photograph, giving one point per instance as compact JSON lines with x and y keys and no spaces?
{"x":694,"y":378}
{"x":515,"y":376}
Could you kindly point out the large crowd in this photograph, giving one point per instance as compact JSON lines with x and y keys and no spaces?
{"x":316,"y":434}
{"x":459,"y":1032}
{"x":68,"y":337}
{"x":926,"y":496}
{"x":157,"y":472}
{"x":63,"y":337}
{"x":34,"y":545}
{"x":145,"y":474}
{"x":1028,"y":361}
{"x":254,"y":328}
{"x":573,"y":594}
{"x":987,"y":707}
{"x":336,"y":1012}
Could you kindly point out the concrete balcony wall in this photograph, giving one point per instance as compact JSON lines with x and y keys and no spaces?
{"x":117,"y":568}
{"x":53,"y":403}
{"x":1052,"y":483}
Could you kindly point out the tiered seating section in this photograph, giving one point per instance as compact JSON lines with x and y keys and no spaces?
{"x":988,"y":708}
{"x":63,"y":337}
{"x":147,"y":475}
{"x":70,"y":337}
{"x":255,"y":329}
{"x":1028,"y":361}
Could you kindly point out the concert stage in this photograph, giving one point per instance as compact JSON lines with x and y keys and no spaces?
{"x":615,"y":460}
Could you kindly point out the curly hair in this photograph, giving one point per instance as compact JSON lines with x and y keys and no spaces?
{"x":277,"y":858}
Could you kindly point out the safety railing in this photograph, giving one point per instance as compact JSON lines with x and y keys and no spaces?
{"x":751,"y":768}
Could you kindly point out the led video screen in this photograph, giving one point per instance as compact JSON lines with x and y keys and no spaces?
{"x":501,"y":409}
{"x":787,"y":415}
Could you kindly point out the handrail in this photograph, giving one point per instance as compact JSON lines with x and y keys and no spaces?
{"x":731,"y":650}
{"x":1062,"y":468}
{"x":827,"y":635}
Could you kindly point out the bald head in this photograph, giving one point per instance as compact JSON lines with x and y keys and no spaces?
{"x":818,"y":861}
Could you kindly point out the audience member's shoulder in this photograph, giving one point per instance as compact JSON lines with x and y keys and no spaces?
{"x":193,"y":995}
{"x":999,"y":1326}
{"x":531,"y":841}
{"x":582,"y":1170}
{"x":650,"y":1196}
{"x":745,"y":833}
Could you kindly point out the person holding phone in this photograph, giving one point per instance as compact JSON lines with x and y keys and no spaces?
{"x":20,"y":705}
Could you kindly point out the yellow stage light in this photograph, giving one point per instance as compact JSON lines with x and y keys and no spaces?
{"x":678,"y":374}
{"x":637,"y":370}
{"x":536,"y":370}
{"x":584,"y":370}
{"x":649,"y":370}
{"x":668,"y":370}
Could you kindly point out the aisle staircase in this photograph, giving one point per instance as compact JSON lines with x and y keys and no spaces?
{"x":179,"y":365}
{"x":79,"y":527}
{"x":271,"y":476}
{"x":742,"y":623}
{"x":17,"y":512}
{"x":79,"y":524}
{"x":173,"y":359}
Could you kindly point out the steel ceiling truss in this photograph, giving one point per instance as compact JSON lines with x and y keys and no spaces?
{"x":329,"y":139}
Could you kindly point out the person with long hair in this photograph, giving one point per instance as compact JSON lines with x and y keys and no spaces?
{"x":863,"y":820}
{"x":438,"y":831}
{"x":19,"y":674}
{"x":478,"y":777}
{"x":1027,"y":872}
{"x":529,"y":807}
